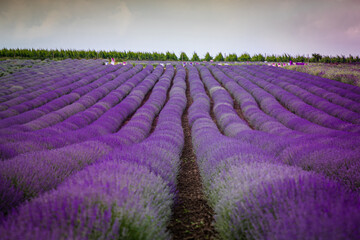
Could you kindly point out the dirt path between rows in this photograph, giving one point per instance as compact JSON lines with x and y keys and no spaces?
{"x":192,"y":217}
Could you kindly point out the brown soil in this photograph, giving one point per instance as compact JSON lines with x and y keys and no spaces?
{"x":240,"y":112}
{"x":192,"y":217}
{"x":154,"y":123}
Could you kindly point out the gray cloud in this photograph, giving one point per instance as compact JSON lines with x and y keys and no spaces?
{"x":66,"y":22}
{"x":262,"y":26}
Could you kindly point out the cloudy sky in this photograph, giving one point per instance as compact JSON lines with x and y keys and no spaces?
{"x":303,"y":27}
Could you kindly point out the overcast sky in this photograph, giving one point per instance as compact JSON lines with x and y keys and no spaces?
{"x":303,"y":27}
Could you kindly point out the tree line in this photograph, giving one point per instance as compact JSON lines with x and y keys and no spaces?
{"x":168,"y":56}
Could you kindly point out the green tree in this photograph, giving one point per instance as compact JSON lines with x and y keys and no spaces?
{"x":183,"y":57}
{"x":219,"y":58}
{"x":244,"y":57}
{"x":326,"y":59}
{"x":208,"y":57}
{"x":258,"y":58}
{"x":195,"y":57}
{"x":174,"y":57}
{"x":316,"y":57}
{"x":299,"y":59}
{"x":286,"y":57}
{"x":271,"y":58}
{"x":350,"y":59}
{"x":343,"y":59}
{"x":168,"y":56}
{"x":231,"y":58}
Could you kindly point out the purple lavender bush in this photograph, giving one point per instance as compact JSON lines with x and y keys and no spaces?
{"x":122,"y":195}
{"x":256,"y":196}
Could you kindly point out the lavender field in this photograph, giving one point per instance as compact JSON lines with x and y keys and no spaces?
{"x":346,"y":73}
{"x":94,"y":151}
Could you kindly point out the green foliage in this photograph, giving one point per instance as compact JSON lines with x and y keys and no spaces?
{"x":284,"y":58}
{"x":195,"y":57}
{"x":231,"y":58}
{"x":299,"y":59}
{"x":58,"y":54}
{"x":271,"y":58}
{"x":244,"y":57}
{"x":208,"y":57}
{"x":258,"y":58}
{"x":315,"y":57}
{"x":326,"y":59}
{"x":171,"y":56}
{"x":183,"y":57}
{"x":219,"y":58}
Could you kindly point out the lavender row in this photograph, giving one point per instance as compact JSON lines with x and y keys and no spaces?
{"x":315,"y":90}
{"x":327,"y":156}
{"x":299,"y":107}
{"x":270,"y":128}
{"x":342,"y":89}
{"x":25,"y":78}
{"x":141,"y":122}
{"x":250,"y":108}
{"x":107,"y":123}
{"x":334,"y":156}
{"x":47,"y":84}
{"x":273,"y":108}
{"x":160,"y":152}
{"x":15,"y":66}
{"x":256,"y":197}
{"x":19,"y":79}
{"x":14,"y":106}
{"x":85,"y":97}
{"x":82,"y":118}
{"x":25,"y":174}
{"x":118,"y":197}
{"x":35,"y":66}
{"x":60,"y":81}
{"x":91,"y":114}
{"x":228,"y":120}
{"x":311,"y":99}
{"x":256,"y":117}
{"x":80,"y":86}
{"x":73,"y":92}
